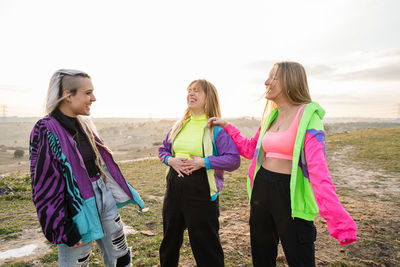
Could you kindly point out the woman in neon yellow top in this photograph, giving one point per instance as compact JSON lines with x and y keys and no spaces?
{"x":189,"y":140}
{"x":198,"y":156}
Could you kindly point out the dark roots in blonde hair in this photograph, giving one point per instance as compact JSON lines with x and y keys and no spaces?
{"x":69,"y":82}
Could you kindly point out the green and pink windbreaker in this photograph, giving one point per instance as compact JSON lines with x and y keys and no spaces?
{"x":311,"y":187}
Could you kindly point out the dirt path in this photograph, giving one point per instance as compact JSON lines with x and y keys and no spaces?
{"x":362,"y":180}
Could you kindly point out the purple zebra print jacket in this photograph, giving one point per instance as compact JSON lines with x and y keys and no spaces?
{"x":61,"y":187}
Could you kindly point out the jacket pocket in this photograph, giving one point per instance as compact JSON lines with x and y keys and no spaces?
{"x":81,"y":222}
{"x":88,"y":221}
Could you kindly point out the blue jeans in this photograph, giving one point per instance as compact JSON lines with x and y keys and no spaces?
{"x":113,"y":245}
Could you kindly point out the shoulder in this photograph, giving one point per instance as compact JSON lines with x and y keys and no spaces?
{"x":46,"y":122}
{"x":41,"y":126}
{"x":46,"y":130}
{"x":315,"y":131}
{"x":43,"y":139}
{"x":312,"y":116}
{"x":316,"y":127}
{"x":221,"y":136}
{"x":316,"y":122}
{"x":43,"y":122}
{"x":217,"y":129}
{"x":219,"y":132}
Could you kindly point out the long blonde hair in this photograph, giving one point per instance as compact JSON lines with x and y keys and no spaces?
{"x":211,"y":108}
{"x":293,"y":81}
{"x":66,"y":80}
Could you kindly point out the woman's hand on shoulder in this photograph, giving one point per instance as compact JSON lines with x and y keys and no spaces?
{"x":217,"y":121}
{"x":178,"y":164}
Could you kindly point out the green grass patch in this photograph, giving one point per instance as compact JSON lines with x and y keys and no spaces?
{"x":18,"y":264}
{"x":9,"y":229}
{"x":12,"y":236}
{"x":20,"y":185}
{"x":17,"y":211}
{"x":379,"y":148}
{"x":51,"y":257}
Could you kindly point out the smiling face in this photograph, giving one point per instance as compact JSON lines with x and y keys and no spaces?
{"x":273,"y":87}
{"x":196,"y":99}
{"x":80,"y":102}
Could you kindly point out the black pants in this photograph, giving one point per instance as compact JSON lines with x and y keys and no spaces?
{"x":187,"y":204}
{"x":270,"y":220}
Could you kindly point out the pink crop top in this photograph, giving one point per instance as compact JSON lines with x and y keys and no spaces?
{"x":280,"y":144}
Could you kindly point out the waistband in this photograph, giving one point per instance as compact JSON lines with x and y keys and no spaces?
{"x":196,"y":173}
{"x":276,"y":176}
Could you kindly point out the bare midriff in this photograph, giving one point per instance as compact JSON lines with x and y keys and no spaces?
{"x":278,"y":165}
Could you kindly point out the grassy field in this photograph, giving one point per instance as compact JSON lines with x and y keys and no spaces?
{"x":377,"y":148}
{"x":378,"y":244}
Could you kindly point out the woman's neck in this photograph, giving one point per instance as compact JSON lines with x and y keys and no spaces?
{"x":66,"y":111}
{"x":285,"y":108}
{"x":197,"y":113}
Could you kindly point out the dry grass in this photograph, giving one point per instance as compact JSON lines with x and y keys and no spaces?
{"x":377,"y":219}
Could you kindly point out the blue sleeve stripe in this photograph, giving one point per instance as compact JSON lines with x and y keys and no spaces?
{"x":217,"y":129}
{"x":166,"y":160}
{"x":207,"y":163}
{"x":214,"y":197}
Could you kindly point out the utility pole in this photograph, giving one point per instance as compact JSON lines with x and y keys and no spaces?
{"x":4,"y":111}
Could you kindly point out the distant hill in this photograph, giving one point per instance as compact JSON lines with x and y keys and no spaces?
{"x":137,"y":120}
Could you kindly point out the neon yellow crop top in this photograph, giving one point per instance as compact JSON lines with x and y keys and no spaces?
{"x":189,"y":141}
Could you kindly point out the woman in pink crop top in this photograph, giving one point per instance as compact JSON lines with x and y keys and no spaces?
{"x":288,"y":179}
{"x":280,"y":144}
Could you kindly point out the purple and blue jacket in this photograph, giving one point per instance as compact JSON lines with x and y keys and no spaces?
{"x":224,"y":156}
{"x":61,"y":188}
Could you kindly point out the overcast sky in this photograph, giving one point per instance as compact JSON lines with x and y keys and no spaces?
{"x":143,"y":54}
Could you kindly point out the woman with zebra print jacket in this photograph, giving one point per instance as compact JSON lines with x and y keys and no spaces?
{"x":77,"y":187}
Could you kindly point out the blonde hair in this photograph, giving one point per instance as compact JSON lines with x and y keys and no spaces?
{"x":211,"y":108}
{"x":293,"y":81}
{"x":90,"y":130}
{"x":66,"y":80}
